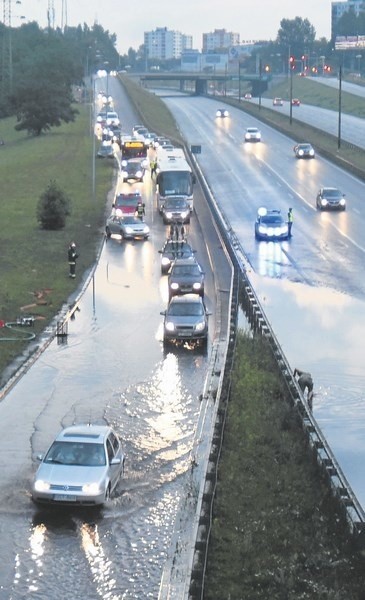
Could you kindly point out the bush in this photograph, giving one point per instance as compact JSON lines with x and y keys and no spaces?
{"x":53,"y":207}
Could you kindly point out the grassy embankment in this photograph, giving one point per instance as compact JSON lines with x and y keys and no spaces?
{"x":277,"y":532}
{"x":33,"y":267}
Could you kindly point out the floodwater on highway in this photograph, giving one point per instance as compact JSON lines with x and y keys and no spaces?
{"x":112,"y":369}
{"x":323,"y":331}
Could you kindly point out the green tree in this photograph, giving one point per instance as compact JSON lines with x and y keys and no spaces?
{"x":53,"y":207}
{"x":296,"y":36}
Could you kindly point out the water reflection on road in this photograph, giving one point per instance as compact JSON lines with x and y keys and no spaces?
{"x":323,"y":332}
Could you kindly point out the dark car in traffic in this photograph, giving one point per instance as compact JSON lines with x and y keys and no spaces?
{"x":173,"y":249}
{"x":176,"y":210}
{"x":330,"y":198}
{"x":133,"y":169}
{"x":185,"y":277}
{"x":185,"y":319}
{"x":304,"y":150}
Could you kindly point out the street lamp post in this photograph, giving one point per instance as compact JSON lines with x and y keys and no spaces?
{"x":239,"y":81}
{"x":291,"y":97}
{"x":260,"y":81}
{"x":339,"y":107}
{"x":358,"y":57}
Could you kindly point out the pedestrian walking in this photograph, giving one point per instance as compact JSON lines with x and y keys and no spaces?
{"x":72,"y":257}
{"x":290,"y":221}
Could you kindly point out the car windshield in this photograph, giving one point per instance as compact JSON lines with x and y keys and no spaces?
{"x":122,"y":200}
{"x":252,"y":130}
{"x":304,"y":146}
{"x":130,"y":220}
{"x":186,"y":270}
{"x":180,"y":249}
{"x":186,"y":309}
{"x":76,"y":453}
{"x":331,"y":193}
{"x":176,"y":203}
{"x":272,"y":219}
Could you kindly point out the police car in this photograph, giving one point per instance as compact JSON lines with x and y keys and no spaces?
{"x":270,"y":225}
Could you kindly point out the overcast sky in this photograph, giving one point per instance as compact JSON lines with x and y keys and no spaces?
{"x":252,"y":19}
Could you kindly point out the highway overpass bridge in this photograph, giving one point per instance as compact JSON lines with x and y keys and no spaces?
{"x":201,"y":81}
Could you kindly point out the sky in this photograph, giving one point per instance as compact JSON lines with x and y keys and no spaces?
{"x":252,"y":19}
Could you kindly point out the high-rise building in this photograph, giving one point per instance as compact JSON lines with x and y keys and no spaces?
{"x":338,"y":9}
{"x":164,"y":44}
{"x":219,"y":39}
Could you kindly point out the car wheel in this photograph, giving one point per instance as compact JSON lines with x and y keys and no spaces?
{"x":107,"y":232}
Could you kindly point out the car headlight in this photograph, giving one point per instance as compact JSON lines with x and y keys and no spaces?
{"x":200,"y":326}
{"x":139,"y":174}
{"x":247,"y":136}
{"x":128,"y":230}
{"x":174,"y":286}
{"x":197,"y":286}
{"x":262,"y":229}
{"x":169,"y":326}
{"x":41,"y":486}
{"x":218,"y":113}
{"x":91,"y":489}
{"x":165,"y":261}
{"x":300,"y":152}
{"x":168,"y":215}
{"x":124,"y":174}
{"x":342,"y":201}
{"x":324,"y":202}
{"x":146,"y":229}
{"x":311,"y":152}
{"x":226,"y":113}
{"x":184,"y":214}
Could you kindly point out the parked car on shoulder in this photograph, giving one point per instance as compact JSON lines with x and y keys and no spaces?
{"x":270,"y":225}
{"x":304,"y":150}
{"x":330,"y":198}
{"x":128,"y":227}
{"x":82,"y":467}
{"x":105,"y":150}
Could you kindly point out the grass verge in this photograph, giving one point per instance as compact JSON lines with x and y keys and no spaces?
{"x":34,"y":268}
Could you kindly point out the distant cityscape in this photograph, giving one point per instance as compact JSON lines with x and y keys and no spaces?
{"x":221,"y":47}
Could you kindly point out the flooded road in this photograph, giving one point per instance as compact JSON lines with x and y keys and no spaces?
{"x":112,"y":368}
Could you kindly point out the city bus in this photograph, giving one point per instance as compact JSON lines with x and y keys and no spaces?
{"x":133,"y":148}
{"x":174,"y":178}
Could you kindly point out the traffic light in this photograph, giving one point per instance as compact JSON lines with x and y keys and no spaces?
{"x":292,"y":62}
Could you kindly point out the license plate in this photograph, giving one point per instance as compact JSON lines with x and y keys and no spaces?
{"x":64,"y":498}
